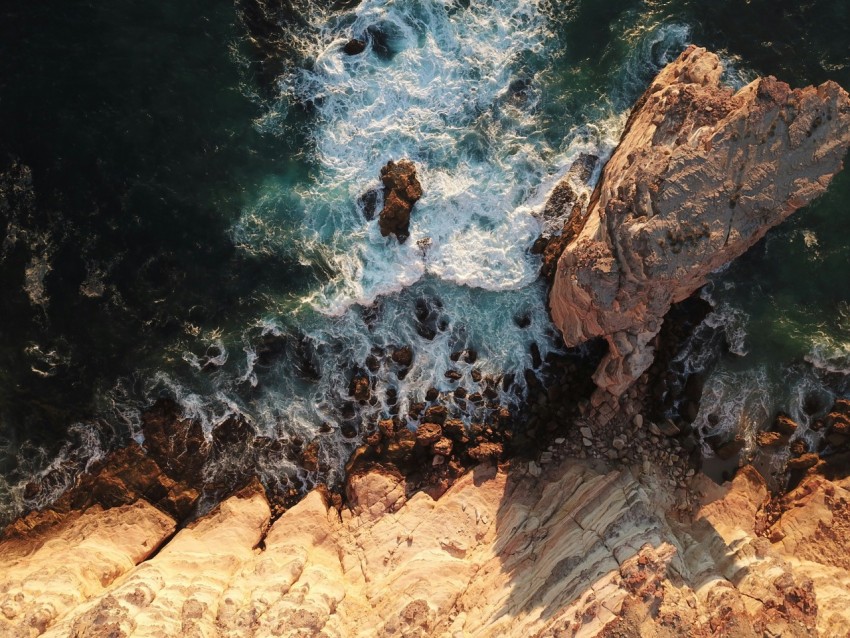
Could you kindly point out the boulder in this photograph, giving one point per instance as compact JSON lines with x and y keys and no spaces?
{"x":401,"y":191}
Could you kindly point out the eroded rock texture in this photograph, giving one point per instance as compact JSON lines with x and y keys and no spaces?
{"x":581,"y":552}
{"x":401,"y":191}
{"x":700,"y":175}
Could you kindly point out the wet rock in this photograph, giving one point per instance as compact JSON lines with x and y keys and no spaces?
{"x":432,"y":394}
{"x":415,"y":410}
{"x":360,"y":389}
{"x":234,"y":431}
{"x":767,"y":439}
{"x":538,"y":248}
{"x":442,"y":447}
{"x":486,"y":451}
{"x":354,"y":46}
{"x":368,"y":203}
{"x":177,"y":445}
{"x":460,"y":393}
{"x":428,"y":433}
{"x":798,"y":447}
{"x":785,"y":424}
{"x":388,"y":427}
{"x":476,"y":375}
{"x":803,"y":462}
{"x":401,"y":191}
{"x":403,"y":356}
{"x":456,"y":430}
{"x":310,"y":456}
{"x":435,"y":414}
{"x":453,"y":375}
{"x":398,"y":449}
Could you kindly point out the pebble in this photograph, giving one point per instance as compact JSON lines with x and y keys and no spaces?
{"x":654,"y":429}
{"x":618,"y":443}
{"x":534,"y":469}
{"x":586,"y":432}
{"x":560,"y":441}
{"x":545,"y":458}
{"x":587,"y":442}
{"x":638,"y":420}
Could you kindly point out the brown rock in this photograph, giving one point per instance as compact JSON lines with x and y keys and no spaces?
{"x":455,"y":429}
{"x":428,"y":433}
{"x":388,"y":427}
{"x":767,"y":439}
{"x":486,"y":451}
{"x":442,"y":447}
{"x":310,"y":456}
{"x":785,"y":424}
{"x":403,"y":356}
{"x":360,"y":388}
{"x":803,"y":462}
{"x":435,"y":414}
{"x":176,"y":445}
{"x":401,"y":191}
{"x":669,"y":209}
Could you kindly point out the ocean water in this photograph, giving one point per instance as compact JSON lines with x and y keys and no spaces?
{"x":197,"y":234}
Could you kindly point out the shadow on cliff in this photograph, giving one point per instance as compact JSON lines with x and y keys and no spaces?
{"x":584,"y":540}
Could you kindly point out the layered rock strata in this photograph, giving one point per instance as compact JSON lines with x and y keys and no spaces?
{"x":700,"y":175}
{"x":581,"y":552}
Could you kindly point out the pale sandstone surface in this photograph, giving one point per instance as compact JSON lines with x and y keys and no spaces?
{"x":580,"y":551}
{"x":700,"y":175}
{"x":43,"y":577}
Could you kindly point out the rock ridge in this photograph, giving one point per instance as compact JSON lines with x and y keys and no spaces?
{"x":701,"y":173}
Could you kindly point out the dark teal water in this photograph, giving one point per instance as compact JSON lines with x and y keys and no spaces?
{"x":177,"y":203}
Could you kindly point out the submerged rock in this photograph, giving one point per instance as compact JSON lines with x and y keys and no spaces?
{"x":401,"y":191}
{"x":700,"y":175}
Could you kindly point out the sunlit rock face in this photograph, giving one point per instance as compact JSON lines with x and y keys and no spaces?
{"x":580,"y":551}
{"x":700,"y":175}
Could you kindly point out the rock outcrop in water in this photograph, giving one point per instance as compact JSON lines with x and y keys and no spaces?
{"x":401,"y":191}
{"x":584,"y":551}
{"x":700,"y":175}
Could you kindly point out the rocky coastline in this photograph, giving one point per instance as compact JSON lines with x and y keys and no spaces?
{"x":589,"y":512}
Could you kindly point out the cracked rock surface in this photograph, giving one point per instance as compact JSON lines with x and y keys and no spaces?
{"x":700,"y":175}
{"x":579,"y":551}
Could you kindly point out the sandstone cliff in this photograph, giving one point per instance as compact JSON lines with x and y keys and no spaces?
{"x":582,"y":552}
{"x":700,"y":175}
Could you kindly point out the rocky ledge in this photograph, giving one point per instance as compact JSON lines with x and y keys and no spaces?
{"x":700,"y":175}
{"x":579,"y":551}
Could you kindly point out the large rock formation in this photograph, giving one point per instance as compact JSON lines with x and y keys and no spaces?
{"x":582,"y":551}
{"x":401,"y":191}
{"x":700,"y":175}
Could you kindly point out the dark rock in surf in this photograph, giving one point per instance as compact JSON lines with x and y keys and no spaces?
{"x":403,"y":356}
{"x":401,"y":191}
{"x":176,"y":444}
{"x":354,"y":46}
{"x":360,"y":388}
{"x":368,"y":203}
